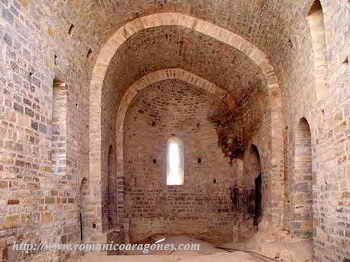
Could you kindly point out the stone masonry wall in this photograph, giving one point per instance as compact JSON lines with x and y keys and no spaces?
{"x":328,"y":119}
{"x":41,"y":158}
{"x":202,"y":206}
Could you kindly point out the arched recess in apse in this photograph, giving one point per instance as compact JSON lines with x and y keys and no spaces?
{"x":302,"y":190}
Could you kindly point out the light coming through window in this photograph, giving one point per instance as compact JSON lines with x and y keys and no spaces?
{"x":175,"y":162}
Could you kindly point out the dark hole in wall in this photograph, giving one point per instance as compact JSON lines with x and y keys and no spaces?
{"x":214,"y":181}
{"x":199,"y":160}
{"x":258,"y":200}
{"x":70,"y":31}
{"x":93,"y":225}
{"x":89,"y":53}
{"x":64,"y":239}
{"x":153,"y":123}
{"x":154,"y":161}
{"x":81,"y":227}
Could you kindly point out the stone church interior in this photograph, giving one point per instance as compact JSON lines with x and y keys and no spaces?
{"x":217,"y":124}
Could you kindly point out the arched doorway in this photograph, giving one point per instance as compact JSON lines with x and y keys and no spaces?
{"x":302,"y":189}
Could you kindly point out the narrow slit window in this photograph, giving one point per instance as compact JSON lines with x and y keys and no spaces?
{"x":175,"y":162}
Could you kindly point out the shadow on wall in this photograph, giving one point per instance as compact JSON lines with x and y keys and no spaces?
{"x":83,"y":193}
{"x":247,"y":195}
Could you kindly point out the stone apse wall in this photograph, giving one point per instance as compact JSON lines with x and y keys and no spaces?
{"x":202,"y":206}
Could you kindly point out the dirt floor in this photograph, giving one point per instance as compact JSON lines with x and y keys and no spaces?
{"x":266,"y":245}
{"x":242,"y":257}
{"x":256,"y":249}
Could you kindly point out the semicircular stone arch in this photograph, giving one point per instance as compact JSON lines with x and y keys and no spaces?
{"x":170,"y":19}
{"x":144,"y":82}
{"x":165,"y":19}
